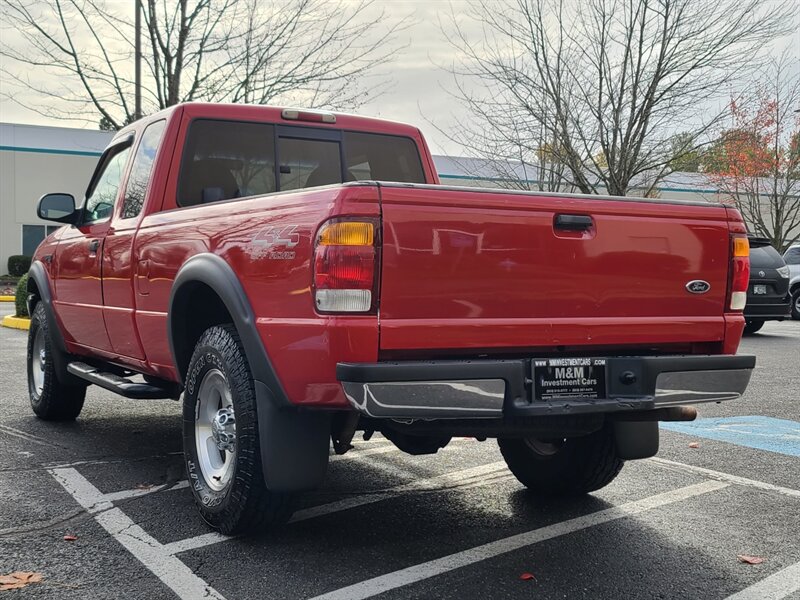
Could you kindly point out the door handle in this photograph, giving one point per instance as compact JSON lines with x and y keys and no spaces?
{"x":573,"y":222}
{"x":93,"y":246}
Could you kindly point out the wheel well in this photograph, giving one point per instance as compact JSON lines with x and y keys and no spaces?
{"x":33,"y":290}
{"x":195,"y":308}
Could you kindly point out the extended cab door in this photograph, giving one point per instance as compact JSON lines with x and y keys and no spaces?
{"x":120,"y":261}
{"x":78,"y":287}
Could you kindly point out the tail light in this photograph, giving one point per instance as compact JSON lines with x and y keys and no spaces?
{"x":740,"y":271}
{"x":345,"y":266}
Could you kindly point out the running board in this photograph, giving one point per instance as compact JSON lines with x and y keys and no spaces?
{"x":121,"y":385}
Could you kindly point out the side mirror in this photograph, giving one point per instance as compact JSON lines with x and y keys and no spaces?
{"x":57,"y":207}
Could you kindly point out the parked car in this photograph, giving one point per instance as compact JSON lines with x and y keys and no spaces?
{"x":792,"y":258}
{"x":298,"y":276}
{"x":768,"y":296}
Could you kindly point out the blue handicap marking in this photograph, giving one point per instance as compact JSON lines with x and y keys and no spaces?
{"x":762,"y":433}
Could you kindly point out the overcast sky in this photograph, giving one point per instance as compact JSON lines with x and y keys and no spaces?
{"x":418,"y":87}
{"x":418,"y":94}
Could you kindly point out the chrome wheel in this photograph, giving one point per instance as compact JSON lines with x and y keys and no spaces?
{"x":38,"y":360}
{"x":544,"y":448}
{"x":215,"y":430}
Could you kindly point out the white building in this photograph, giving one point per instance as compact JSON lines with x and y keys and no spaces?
{"x":35,"y":160}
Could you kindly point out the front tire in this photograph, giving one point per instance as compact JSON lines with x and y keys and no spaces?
{"x":564,"y":467}
{"x":796,"y":304}
{"x":751,"y":326}
{"x":221,"y":440}
{"x":50,"y":399}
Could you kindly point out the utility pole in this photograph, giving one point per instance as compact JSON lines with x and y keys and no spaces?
{"x":137,"y":114}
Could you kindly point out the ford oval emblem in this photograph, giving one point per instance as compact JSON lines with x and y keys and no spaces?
{"x":698,"y":286}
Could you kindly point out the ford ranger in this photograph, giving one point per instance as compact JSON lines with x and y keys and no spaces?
{"x":297,"y":276}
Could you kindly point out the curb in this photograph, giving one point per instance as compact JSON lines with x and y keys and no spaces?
{"x":16,"y":322}
{"x":6,"y":298}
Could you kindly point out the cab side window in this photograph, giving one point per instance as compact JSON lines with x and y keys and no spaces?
{"x":226,"y":159}
{"x":103,"y":193}
{"x":793,"y":256}
{"x":141,"y":168}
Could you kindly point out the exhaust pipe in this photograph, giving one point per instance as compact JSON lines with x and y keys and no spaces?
{"x":671,"y":413}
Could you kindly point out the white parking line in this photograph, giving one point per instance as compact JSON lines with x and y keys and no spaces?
{"x":776,"y":586}
{"x":146,"y":549}
{"x":482,"y":475}
{"x":720,"y":476}
{"x":139,"y":492}
{"x":403,"y":577}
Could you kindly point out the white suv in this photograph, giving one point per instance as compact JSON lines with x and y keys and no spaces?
{"x":792,"y":258}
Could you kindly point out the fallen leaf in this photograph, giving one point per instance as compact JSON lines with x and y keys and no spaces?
{"x":18,"y":579}
{"x":694,"y":444}
{"x":144,"y":486}
{"x":750,"y":560}
{"x":70,"y":538}
{"x":527,"y":577}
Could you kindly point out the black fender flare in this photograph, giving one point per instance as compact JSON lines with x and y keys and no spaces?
{"x":38,"y":275}
{"x":294,"y":442}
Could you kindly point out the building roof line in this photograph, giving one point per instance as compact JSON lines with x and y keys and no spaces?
{"x":50,"y":151}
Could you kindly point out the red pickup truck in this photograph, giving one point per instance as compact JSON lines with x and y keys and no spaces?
{"x":298,"y":276}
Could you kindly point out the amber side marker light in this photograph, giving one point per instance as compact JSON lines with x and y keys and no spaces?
{"x":345,"y":259}
{"x":740,"y":271}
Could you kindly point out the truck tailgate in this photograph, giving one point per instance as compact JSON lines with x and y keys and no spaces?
{"x":488,"y":270}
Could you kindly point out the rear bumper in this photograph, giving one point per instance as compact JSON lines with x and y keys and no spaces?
{"x":492,"y":389}
{"x":781,"y":309}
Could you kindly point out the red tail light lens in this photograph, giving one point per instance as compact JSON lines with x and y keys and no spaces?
{"x":345,"y":263}
{"x":344,"y":267}
{"x":740,"y":271}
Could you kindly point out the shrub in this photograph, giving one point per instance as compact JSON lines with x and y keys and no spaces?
{"x":18,"y":264}
{"x":22,"y":296}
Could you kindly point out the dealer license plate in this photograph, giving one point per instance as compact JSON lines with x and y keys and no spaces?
{"x":560,"y":378}
{"x":759,"y":289}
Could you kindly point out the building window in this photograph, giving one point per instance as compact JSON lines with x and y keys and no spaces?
{"x":32,"y":236}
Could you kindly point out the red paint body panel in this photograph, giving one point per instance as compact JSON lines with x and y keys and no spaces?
{"x":461,"y":270}
{"x":78,"y":290}
{"x":469,"y":269}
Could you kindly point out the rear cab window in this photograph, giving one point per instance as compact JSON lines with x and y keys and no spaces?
{"x":764,"y":256}
{"x":225,"y":159}
{"x":793,"y":256}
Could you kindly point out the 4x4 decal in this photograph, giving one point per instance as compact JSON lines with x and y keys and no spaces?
{"x":272,"y":238}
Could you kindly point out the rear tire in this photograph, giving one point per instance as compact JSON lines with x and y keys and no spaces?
{"x":570,"y":467}
{"x":50,"y":399}
{"x":751,"y":326}
{"x":796,"y":304}
{"x":221,"y":442}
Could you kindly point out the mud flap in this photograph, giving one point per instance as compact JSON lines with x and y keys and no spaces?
{"x":295,"y":444}
{"x":636,"y":439}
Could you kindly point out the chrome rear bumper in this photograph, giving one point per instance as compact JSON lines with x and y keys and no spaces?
{"x":489,"y":389}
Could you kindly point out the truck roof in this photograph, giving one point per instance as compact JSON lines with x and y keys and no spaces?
{"x":274,"y":114}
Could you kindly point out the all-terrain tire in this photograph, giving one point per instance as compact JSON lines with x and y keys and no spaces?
{"x":242,"y":504}
{"x":570,"y":467}
{"x":50,"y":399}
{"x":751,"y":326}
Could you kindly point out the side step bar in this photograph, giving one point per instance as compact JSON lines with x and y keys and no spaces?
{"x":121,"y":385}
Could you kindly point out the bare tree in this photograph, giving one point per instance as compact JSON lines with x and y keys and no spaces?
{"x":755,"y":164}
{"x":76,"y":56}
{"x":604,"y":85}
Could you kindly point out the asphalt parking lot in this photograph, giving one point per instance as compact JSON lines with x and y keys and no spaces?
{"x":388,"y":525}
